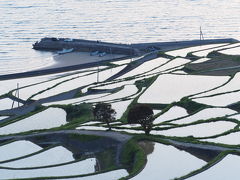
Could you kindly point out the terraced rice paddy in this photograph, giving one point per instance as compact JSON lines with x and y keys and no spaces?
{"x":183,"y":52}
{"x":108,"y":175}
{"x":58,"y":155}
{"x":49,"y":118}
{"x":220,"y":100}
{"x":204,"y":53}
{"x":232,"y":51}
{"x":196,"y":121}
{"x":146,"y":67}
{"x":232,"y":139}
{"x":225,"y":169}
{"x":172,"y":65}
{"x":173,"y":113}
{"x":168,"y":88}
{"x":206,"y":114}
{"x":200,"y":60}
{"x":3,"y":117}
{"x":84,"y":167}
{"x":160,"y":163}
{"x":199,"y":130}
{"x":126,"y":61}
{"x":9,"y":151}
{"x":230,"y":86}
{"x":7,"y":103}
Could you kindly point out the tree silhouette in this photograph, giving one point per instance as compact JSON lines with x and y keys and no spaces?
{"x":104,"y":112}
{"x":141,"y":114}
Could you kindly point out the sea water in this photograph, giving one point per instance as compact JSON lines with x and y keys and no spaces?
{"x":25,"y":22}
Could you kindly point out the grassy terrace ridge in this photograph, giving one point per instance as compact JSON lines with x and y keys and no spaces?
{"x":139,"y":160}
{"x":209,"y":164}
{"x":219,"y":64}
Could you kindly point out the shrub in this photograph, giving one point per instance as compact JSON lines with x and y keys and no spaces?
{"x":104,"y":112}
{"x":143,"y":115}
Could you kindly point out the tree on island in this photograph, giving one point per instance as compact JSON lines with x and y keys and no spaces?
{"x":104,"y":112}
{"x":143,"y":115}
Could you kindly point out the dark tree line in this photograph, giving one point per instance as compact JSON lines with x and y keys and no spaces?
{"x":104,"y":112}
{"x":143,"y":115}
{"x":138,"y":114}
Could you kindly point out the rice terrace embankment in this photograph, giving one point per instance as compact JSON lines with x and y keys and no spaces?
{"x":48,"y":129}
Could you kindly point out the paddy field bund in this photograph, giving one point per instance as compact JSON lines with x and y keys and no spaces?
{"x":196,"y":111}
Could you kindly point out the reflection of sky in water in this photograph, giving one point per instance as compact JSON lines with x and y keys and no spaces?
{"x":24,"y":22}
{"x":185,"y":51}
{"x":81,"y":167}
{"x":173,"y":113}
{"x":199,"y":130}
{"x":49,"y":118}
{"x":9,"y":151}
{"x":220,"y":100}
{"x":232,"y":51}
{"x":94,"y":157}
{"x":232,"y":139}
{"x":111,"y":175}
{"x":228,"y":168}
{"x":206,"y":114}
{"x":233,"y":85}
{"x":163,"y":163}
{"x":168,"y":88}
{"x":58,"y":155}
{"x":7,"y":103}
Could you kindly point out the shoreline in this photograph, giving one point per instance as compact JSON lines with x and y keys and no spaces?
{"x":54,"y":70}
{"x":61,"y":67}
{"x":77,"y":58}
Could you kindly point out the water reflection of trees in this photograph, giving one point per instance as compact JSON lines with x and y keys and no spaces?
{"x":204,"y":154}
{"x":105,"y":150}
{"x":147,"y":146}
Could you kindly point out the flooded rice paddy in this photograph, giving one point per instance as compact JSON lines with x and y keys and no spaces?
{"x":49,"y":118}
{"x":46,"y":142}
{"x":199,"y":130}
{"x":206,"y":114}
{"x":232,"y":51}
{"x":225,"y":169}
{"x":185,"y":51}
{"x":161,"y":163}
{"x":168,"y":87}
{"x":85,"y":167}
{"x":187,"y":107}
{"x":173,"y":113}
{"x":58,"y":155}
{"x":9,"y":151}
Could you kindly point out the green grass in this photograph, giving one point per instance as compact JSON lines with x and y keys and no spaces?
{"x":146,"y":83}
{"x":77,"y":112}
{"x":133,"y":158}
{"x":164,"y":55}
{"x":192,"y":57}
{"x":190,"y":106}
{"x":220,"y":56}
{"x":107,"y":159}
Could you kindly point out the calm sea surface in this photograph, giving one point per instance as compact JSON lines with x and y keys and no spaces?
{"x":22,"y":22}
